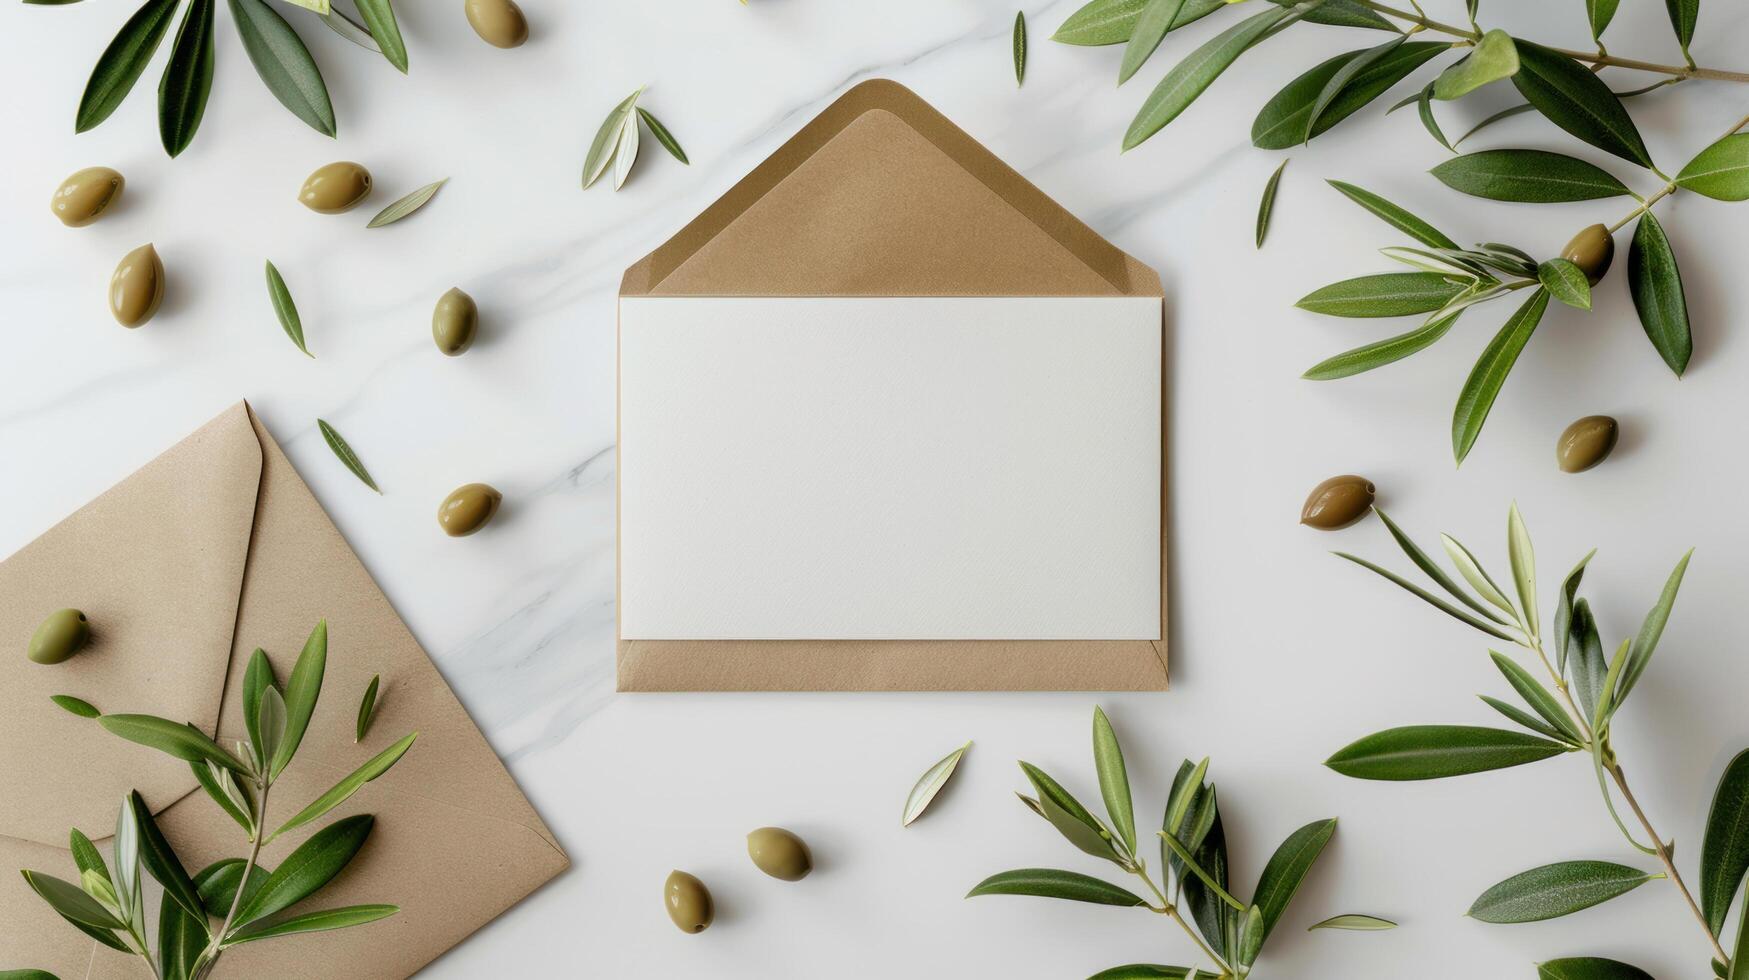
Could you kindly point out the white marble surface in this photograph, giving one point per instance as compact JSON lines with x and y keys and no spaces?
{"x":1281,"y":654}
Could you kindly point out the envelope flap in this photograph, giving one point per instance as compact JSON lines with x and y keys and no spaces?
{"x":882,"y":195}
{"x":156,"y":564}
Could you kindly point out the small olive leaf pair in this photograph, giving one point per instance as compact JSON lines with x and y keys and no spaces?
{"x":616,"y":142}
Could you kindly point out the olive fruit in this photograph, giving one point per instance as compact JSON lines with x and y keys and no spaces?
{"x":498,"y":22}
{"x":1337,"y":502}
{"x":688,"y":902}
{"x":1591,"y":250}
{"x":779,"y":853}
{"x":83,"y":197}
{"x":467,"y":509}
{"x":335,"y":187}
{"x":137,"y":287}
{"x":454,"y":322}
{"x":60,"y":636}
{"x":1586,"y":443}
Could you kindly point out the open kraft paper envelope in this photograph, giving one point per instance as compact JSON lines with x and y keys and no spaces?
{"x":879,"y":196}
{"x":212,"y":549}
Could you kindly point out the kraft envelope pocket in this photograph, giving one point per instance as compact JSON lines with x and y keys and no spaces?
{"x":890,"y":419}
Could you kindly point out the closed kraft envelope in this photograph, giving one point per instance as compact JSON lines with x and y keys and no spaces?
{"x":879,"y":196}
{"x":211,"y":550}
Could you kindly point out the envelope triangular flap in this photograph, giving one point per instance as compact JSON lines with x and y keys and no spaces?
{"x":156,"y":564}
{"x":882,"y":196}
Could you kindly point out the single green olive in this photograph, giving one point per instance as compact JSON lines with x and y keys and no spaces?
{"x":498,"y":22}
{"x":454,"y":322}
{"x":1337,"y":502}
{"x":467,"y":509}
{"x":83,"y":197}
{"x":137,"y":287}
{"x":1591,"y":250}
{"x":60,"y":636}
{"x":779,"y":853}
{"x":335,"y":187}
{"x":1586,"y":443}
{"x":688,"y":902}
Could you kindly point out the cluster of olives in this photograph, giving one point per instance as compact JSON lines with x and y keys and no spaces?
{"x":774,"y":850}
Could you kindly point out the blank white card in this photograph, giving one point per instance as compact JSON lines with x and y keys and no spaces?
{"x":890,"y":468}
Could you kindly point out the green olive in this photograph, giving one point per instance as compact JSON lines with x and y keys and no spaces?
{"x":1591,"y":250}
{"x":1337,"y":502}
{"x":498,"y":22}
{"x":779,"y":853}
{"x":467,"y":509}
{"x":336,"y":187}
{"x":137,"y":287}
{"x":60,"y":636}
{"x":83,"y":197}
{"x":454,"y":322}
{"x":1586,"y":443}
{"x":688,"y":902}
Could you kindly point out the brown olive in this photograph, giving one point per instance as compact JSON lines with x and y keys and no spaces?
{"x":454,"y":322}
{"x":83,"y":197}
{"x":60,"y":636}
{"x":1591,"y":250}
{"x":688,"y":902}
{"x":137,"y":286}
{"x":498,"y":22}
{"x":467,"y":509}
{"x":779,"y":853}
{"x":1586,"y":443}
{"x":335,"y":187}
{"x":1337,"y":502}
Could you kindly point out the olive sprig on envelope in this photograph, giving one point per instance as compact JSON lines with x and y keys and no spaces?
{"x":1572,"y":713}
{"x":1195,"y":879}
{"x":248,"y":901}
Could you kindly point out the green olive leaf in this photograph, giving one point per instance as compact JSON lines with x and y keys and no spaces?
{"x":123,"y":61}
{"x":257,"y":678}
{"x":1564,"y":612}
{"x":1493,"y":58}
{"x":305,"y":870}
{"x":1522,"y":558}
{"x":1382,"y":352}
{"x":1286,"y":870}
{"x":606,"y":144}
{"x":379,"y":19}
{"x":188,"y":78}
{"x":1528,"y":176}
{"x":161,"y":862}
{"x":1281,"y":123}
{"x":283,"y":306}
{"x":367,"y":708}
{"x":1432,"y":570}
{"x":1600,"y":13}
{"x":1566,"y":282}
{"x":181,"y":939}
{"x":1683,"y":14}
{"x":663,"y":136}
{"x":343,"y":450}
{"x":1651,"y":629}
{"x":1355,"y":922}
{"x":1538,"y":697}
{"x":931,"y":783}
{"x":351,"y":30}
{"x":82,"y":708}
{"x":302,"y":690}
{"x":218,"y":882}
{"x":340,"y":918}
{"x":166,"y":736}
{"x":1151,"y":27}
{"x":1071,"y":819}
{"x":1139,"y":971}
{"x":1721,"y":171}
{"x":1266,"y":207}
{"x":1104,"y":22}
{"x":1554,"y":890}
{"x":223,"y":789}
{"x":1575,"y":99}
{"x":1114,"y":781}
{"x":284,"y":64}
{"x":1589,"y":967}
{"x":1395,"y":216}
{"x":1724,"y":851}
{"x":1019,"y":50}
{"x":1417,"y":752}
{"x":407,"y":205}
{"x":1341,"y":79}
{"x":1195,"y":867}
{"x":343,"y":790}
{"x":1655,"y":283}
{"x":1489,"y":375}
{"x":1049,"y":883}
{"x":1429,"y":598}
{"x":71,"y":902}
{"x":1192,"y":76}
{"x":1384,"y":294}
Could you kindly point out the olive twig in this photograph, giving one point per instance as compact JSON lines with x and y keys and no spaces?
{"x":1663,"y":856}
{"x":1170,"y":910}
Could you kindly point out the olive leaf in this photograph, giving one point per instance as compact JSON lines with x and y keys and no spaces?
{"x":1185,"y":791}
{"x":1354,"y":922}
{"x":1384,"y":294}
{"x":1683,"y":14}
{"x":1114,"y":781}
{"x":606,"y":144}
{"x":1600,"y":13}
{"x":1207,"y":878}
{"x":340,"y":918}
{"x":1575,"y":99}
{"x":257,"y":678}
{"x":284,"y":308}
{"x":351,"y":30}
{"x":1721,"y":171}
{"x":1475,"y":574}
{"x":1528,"y":176}
{"x":284,"y":64}
{"x":1655,"y":283}
{"x":1019,"y":50}
{"x":1429,"y":121}
{"x":188,"y":78}
{"x":379,"y":19}
{"x":1494,"y":57}
{"x":1489,"y":375}
{"x":407,"y":205}
{"x":931,"y":783}
{"x":218,"y":882}
{"x":67,"y":702}
{"x":160,"y":859}
{"x":1102,"y":22}
{"x":181,"y":939}
{"x":1139,"y":971}
{"x":367,"y":708}
{"x":1286,"y":871}
{"x":625,"y":156}
{"x":343,"y":790}
{"x":1417,"y":752}
{"x":1432,"y":570}
{"x":1282,"y":122}
{"x":1539,"y":699}
{"x":1395,"y":216}
{"x":1151,"y":27}
{"x":272,"y":725}
{"x":1341,"y":79}
{"x":663,"y":136}
{"x":343,"y":450}
{"x":1651,"y":629}
{"x":1192,"y":76}
{"x":1586,"y":652}
{"x":181,"y":741}
{"x":1724,"y":851}
{"x":122,"y":62}
{"x":313,"y":864}
{"x":1267,"y":206}
{"x":1522,"y":559}
{"x":1379,"y":353}
{"x":1589,"y":967}
{"x":73,"y":904}
{"x":1429,"y":598}
{"x":1071,"y":819}
{"x":222,"y":787}
{"x":1049,"y":883}
{"x":1554,"y":890}
{"x":1564,"y":611}
{"x":1566,"y":282}
{"x":302,"y":690}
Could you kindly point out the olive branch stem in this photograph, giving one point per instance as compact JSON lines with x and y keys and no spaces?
{"x":1668,"y":188}
{"x":1600,"y":57}
{"x":209,"y":956}
{"x":1664,"y":858}
{"x":1170,"y":909}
